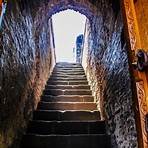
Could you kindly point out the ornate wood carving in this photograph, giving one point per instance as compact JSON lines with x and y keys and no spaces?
{"x":143,"y":111}
{"x":131,"y":25}
{"x":134,"y":39}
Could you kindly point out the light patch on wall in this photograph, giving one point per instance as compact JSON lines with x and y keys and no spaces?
{"x":67,"y":26}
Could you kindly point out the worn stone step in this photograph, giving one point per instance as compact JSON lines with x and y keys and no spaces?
{"x":65,"y":69}
{"x":69,"y":68}
{"x":67,"y":105}
{"x":50,"y":115}
{"x":69,"y":98}
{"x":56,"y":92}
{"x":68,"y":64}
{"x":68,"y":87}
{"x":67,"y":78}
{"x":66,"y":127}
{"x":73,"y":75}
{"x":68,"y":73}
{"x":67,"y":83}
{"x":65,"y":141}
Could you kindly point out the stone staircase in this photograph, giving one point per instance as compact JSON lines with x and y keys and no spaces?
{"x":66,"y":116}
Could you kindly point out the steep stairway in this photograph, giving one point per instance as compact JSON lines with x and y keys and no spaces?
{"x":66,"y":116}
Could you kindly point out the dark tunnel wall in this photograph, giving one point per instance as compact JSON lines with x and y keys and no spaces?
{"x":26,"y":61}
{"x":105,"y":59}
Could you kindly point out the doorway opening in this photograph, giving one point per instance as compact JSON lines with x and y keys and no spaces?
{"x":68,"y":27}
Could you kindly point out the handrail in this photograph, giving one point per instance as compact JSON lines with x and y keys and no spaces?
{"x":3,"y":10}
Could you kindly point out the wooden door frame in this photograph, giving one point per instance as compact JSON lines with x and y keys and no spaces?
{"x":140,"y":83}
{"x":0,"y":6}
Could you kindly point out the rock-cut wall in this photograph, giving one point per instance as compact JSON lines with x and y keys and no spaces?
{"x":105,"y":61}
{"x":26,"y":61}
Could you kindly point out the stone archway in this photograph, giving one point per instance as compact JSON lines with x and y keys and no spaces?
{"x":49,"y":8}
{"x":83,"y":6}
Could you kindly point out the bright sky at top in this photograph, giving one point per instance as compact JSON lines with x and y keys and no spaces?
{"x":67,"y":26}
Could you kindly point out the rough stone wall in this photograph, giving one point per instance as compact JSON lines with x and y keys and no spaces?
{"x":86,"y":7}
{"x":106,"y":65}
{"x":26,"y":61}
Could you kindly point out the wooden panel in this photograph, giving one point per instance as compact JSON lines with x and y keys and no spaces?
{"x":0,"y":6}
{"x":138,"y":38}
{"x":141,"y":8}
{"x":143,"y":111}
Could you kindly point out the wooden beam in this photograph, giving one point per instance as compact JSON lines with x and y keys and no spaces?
{"x":0,"y":6}
{"x":140,"y":99}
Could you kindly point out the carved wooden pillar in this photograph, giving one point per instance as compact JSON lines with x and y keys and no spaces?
{"x":143,"y":111}
{"x":140,"y":77}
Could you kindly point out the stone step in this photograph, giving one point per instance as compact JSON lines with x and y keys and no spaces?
{"x":67,"y":106}
{"x":67,"y":78}
{"x":72,"y":75}
{"x":66,"y":127}
{"x":68,"y":64}
{"x":68,"y":87}
{"x":69,"y":68}
{"x":69,"y":98}
{"x":69,"y":73}
{"x":56,"y":115}
{"x":56,"y":92}
{"x":67,"y":83}
{"x":65,"y":141}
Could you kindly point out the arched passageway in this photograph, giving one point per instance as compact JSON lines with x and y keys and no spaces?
{"x":28,"y":57}
{"x":73,"y":25}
